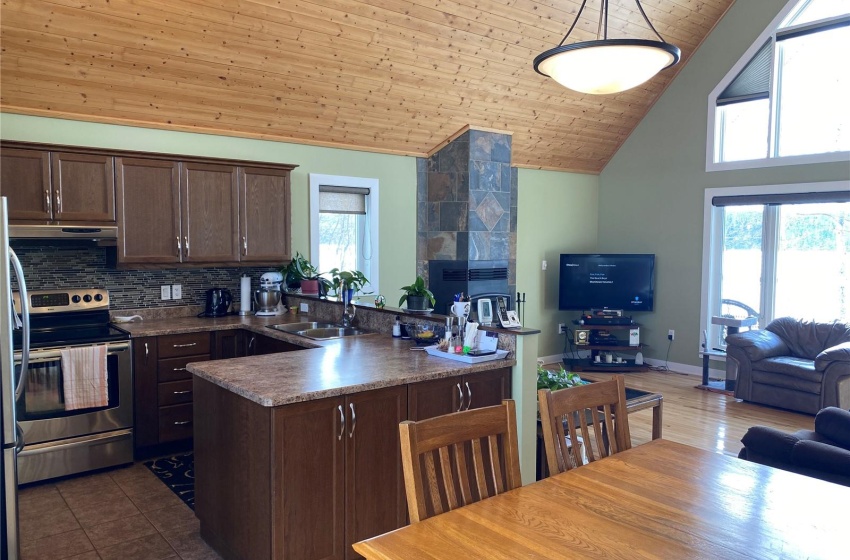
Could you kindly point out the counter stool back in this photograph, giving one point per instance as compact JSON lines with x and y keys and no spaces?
{"x":599,"y":406}
{"x":457,"y":459}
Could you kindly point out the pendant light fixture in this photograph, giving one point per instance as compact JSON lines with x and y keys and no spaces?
{"x":606,"y":65}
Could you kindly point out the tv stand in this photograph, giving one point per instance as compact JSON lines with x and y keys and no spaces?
{"x":628,"y":364}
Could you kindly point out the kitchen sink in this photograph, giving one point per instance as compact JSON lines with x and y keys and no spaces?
{"x":319,"y":331}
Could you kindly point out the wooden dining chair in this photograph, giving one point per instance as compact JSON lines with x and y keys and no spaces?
{"x":457,"y":459}
{"x":594,"y":415}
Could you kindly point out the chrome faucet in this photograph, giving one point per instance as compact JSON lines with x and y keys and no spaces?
{"x":348,"y":311}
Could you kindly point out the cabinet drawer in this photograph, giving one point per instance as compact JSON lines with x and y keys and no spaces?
{"x":174,"y":369}
{"x":175,"y":422}
{"x":175,"y":392}
{"x":190,"y":344}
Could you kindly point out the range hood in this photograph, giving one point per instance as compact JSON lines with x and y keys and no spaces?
{"x":82,"y":231}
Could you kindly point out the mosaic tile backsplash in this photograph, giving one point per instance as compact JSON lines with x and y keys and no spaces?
{"x":49,"y":267}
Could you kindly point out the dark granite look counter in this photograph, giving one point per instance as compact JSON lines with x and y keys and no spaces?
{"x":323,"y":369}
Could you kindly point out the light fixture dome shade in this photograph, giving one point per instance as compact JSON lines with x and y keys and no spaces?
{"x":606,"y":66}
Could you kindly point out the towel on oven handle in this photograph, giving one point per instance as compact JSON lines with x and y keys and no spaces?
{"x":84,"y":377}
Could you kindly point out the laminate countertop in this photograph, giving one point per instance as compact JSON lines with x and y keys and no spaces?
{"x":323,"y":369}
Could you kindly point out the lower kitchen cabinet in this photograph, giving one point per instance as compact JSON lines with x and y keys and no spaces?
{"x":443,"y":396}
{"x":312,"y":479}
{"x":163,"y":388}
{"x":228,"y":344}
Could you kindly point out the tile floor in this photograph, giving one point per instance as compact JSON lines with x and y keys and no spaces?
{"x":124,"y":513}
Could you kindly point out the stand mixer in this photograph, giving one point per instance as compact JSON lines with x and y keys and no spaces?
{"x":267,"y":298}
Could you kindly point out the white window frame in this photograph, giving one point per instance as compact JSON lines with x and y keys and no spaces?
{"x":711,"y":256}
{"x":315,"y":180}
{"x":712,"y":131}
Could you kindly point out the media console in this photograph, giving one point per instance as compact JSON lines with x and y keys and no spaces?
{"x":596,"y":349}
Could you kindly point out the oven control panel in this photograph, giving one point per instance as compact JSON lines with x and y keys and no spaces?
{"x":55,"y":301}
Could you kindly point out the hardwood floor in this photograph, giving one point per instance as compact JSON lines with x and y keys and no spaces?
{"x":703,"y":419}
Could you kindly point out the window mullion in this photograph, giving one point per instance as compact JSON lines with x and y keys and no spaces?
{"x":770,"y":250}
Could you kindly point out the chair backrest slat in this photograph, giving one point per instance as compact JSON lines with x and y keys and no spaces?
{"x":596,"y":408}
{"x":445,"y":462}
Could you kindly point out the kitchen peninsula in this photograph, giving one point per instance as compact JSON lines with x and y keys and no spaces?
{"x":297,"y":453}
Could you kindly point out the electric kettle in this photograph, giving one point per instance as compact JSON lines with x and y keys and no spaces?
{"x":218,"y":302}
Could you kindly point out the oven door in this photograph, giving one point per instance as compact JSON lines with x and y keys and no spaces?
{"x":41,"y":407}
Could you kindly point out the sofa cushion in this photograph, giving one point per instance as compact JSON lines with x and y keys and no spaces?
{"x":770,"y":442}
{"x":807,"y":339}
{"x":821,"y":457}
{"x":834,"y":423}
{"x":789,"y":365}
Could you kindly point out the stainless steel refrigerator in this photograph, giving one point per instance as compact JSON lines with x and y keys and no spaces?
{"x":12,"y":385}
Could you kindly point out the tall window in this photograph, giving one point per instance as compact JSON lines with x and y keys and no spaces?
{"x":344,"y":225}
{"x":773,"y":253}
{"x":786,"y":99}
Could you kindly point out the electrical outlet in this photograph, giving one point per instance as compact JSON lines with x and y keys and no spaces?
{"x":165,"y":291}
{"x":671,"y":334}
{"x":176,"y":291}
{"x":305,"y":308}
{"x":544,"y":266}
{"x":562,"y":328}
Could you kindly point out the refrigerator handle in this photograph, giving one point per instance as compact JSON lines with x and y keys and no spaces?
{"x":25,"y":318}
{"x":19,"y":440}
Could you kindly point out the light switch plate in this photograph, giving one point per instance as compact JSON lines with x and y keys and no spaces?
{"x":165,"y":291}
{"x":304,"y":308}
{"x":176,"y":291}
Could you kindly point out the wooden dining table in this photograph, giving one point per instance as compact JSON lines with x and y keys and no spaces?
{"x":661,"y":500}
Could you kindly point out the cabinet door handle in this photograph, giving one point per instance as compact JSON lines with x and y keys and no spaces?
{"x":186,"y":244}
{"x":183,"y":423}
{"x":460,"y":395}
{"x":179,"y":369}
{"x":58,"y":201}
{"x":353,"y":420}
{"x":251,"y":343}
{"x":341,"y":423}
{"x":147,"y":353}
{"x":182,"y":392}
{"x":47,"y":199}
{"x":179,"y":247}
{"x":468,"y":396}
{"x":185,"y":345}
{"x":244,"y":245}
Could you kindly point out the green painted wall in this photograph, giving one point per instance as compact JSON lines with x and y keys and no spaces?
{"x":397,"y":175}
{"x":651,"y":193}
{"x":557,"y":213}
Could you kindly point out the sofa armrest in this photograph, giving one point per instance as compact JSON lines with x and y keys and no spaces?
{"x":822,"y":457}
{"x":838,"y":353}
{"x":770,"y":443}
{"x":834,"y":424}
{"x":757,"y":345}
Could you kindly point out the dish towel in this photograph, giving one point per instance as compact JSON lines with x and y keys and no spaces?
{"x":84,"y":377}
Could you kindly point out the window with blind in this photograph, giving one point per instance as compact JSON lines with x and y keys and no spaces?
{"x":775,"y":252}
{"x":785,"y":102}
{"x":343,"y":225}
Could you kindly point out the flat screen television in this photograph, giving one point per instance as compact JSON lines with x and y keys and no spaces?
{"x":606,"y":281}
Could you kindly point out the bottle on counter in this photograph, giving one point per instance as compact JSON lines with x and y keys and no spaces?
{"x":397,"y":327}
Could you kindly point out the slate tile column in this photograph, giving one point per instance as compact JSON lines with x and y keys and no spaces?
{"x":467,"y":202}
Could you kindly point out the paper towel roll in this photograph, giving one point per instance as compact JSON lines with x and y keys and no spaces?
{"x":245,"y":295}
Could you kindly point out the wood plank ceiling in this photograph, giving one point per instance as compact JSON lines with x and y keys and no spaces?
{"x":395,"y":76}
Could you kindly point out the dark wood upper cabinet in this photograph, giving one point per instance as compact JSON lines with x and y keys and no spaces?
{"x":25,"y":181}
{"x":148,"y":210}
{"x":264,"y":200}
{"x":83,"y":187}
{"x":209,"y":200}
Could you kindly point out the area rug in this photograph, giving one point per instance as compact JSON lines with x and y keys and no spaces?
{"x":178,"y":473}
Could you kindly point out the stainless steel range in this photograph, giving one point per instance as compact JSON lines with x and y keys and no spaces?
{"x":59,"y":441}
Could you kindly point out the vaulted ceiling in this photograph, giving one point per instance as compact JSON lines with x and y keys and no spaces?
{"x":394,"y":76}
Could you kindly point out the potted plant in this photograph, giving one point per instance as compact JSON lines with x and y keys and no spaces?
{"x":301,"y":273}
{"x":418,"y":297}
{"x":346,"y":283}
{"x":554,"y":380}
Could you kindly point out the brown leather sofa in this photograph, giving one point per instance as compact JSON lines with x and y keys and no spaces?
{"x":823,"y":453}
{"x":793,"y":364}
